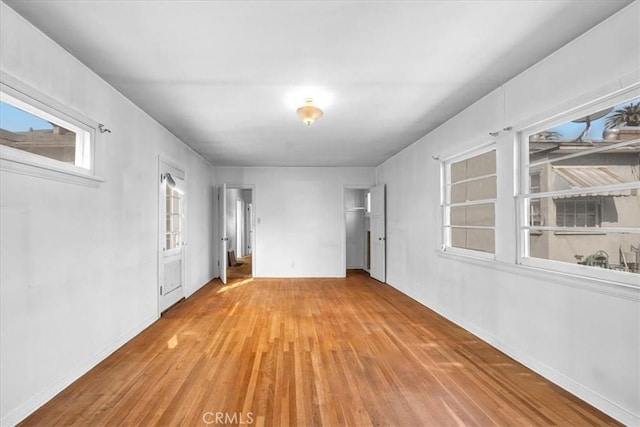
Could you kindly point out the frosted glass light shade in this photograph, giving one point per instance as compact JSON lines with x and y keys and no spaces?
{"x":309,"y":113}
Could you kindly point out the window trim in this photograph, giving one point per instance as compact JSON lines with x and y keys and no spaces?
{"x":523,"y":197}
{"x":446,"y":205}
{"x":22,"y":162}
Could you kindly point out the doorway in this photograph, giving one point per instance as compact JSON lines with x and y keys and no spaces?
{"x":171,"y":235}
{"x":238,"y":231}
{"x":357,"y":229}
{"x":365,"y":230}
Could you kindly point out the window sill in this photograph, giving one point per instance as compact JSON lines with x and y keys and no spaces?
{"x":614,"y":288}
{"x":469,"y":253}
{"x":49,"y":172}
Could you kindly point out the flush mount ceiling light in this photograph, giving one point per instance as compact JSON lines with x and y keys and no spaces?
{"x":309,"y":113}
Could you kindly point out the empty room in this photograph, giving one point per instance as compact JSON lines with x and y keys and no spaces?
{"x":320,"y":213}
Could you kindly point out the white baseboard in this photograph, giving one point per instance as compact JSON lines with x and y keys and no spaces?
{"x":593,"y":398}
{"x":28,"y":407}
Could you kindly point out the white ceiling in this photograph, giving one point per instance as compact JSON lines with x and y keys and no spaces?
{"x":221,"y":75}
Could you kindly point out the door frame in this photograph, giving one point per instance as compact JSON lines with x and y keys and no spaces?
{"x":251,"y":187}
{"x":343,"y":214}
{"x":181,"y":173}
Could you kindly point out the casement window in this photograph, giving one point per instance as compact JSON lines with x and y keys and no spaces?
{"x":470,"y":189}
{"x":579,"y":194}
{"x":39,"y":136}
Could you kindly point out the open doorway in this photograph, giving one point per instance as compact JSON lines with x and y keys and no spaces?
{"x":239,"y":222}
{"x":357,"y":229}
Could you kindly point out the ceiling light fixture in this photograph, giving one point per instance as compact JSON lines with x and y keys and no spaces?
{"x":309,"y":113}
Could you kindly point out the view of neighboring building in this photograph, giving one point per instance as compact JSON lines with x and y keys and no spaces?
{"x":586,"y":218}
{"x":47,"y":139}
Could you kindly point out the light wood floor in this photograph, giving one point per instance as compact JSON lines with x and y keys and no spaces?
{"x":303,"y":352}
{"x":243,"y":270}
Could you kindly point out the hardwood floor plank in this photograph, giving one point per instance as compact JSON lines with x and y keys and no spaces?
{"x":310,"y":352}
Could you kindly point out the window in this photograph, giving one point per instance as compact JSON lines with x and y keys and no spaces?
{"x":28,"y":129}
{"x":38,"y":136}
{"x":174,"y":218}
{"x":578,"y":212}
{"x":469,"y":208}
{"x":581,"y":193}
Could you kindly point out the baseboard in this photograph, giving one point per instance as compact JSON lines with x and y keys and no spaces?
{"x":591,"y":397}
{"x":30,"y":406}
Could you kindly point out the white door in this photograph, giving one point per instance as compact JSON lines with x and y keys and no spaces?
{"x":171,"y":236}
{"x":378,"y":234}
{"x":222,"y":198}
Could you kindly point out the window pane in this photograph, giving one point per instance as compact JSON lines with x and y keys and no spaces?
{"x":609,"y":250}
{"x":598,"y":130}
{"x":579,"y":155}
{"x":173,"y":218}
{"x":459,"y":237}
{"x":176,"y":202}
{"x":480,"y":165}
{"x":472,"y":238}
{"x":613,"y":124}
{"x":481,"y":189}
{"x":27,"y":132}
{"x":607,"y":209}
{"x":459,"y":171}
{"x":483,"y":164}
{"x":612,"y":171}
{"x":476,"y":215}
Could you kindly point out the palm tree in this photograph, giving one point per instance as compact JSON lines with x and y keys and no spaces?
{"x":626,"y":116}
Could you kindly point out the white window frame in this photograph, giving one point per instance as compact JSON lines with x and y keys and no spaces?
{"x":523,"y":196}
{"x":445,"y":200}
{"x":26,"y":98}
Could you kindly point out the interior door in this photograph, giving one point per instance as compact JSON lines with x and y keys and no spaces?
{"x":224,"y":239}
{"x":172,"y":236}
{"x":378,"y":268}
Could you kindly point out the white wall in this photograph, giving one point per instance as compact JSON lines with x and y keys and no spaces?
{"x":299,"y":214}
{"x":79,"y":265}
{"x":583,"y":335}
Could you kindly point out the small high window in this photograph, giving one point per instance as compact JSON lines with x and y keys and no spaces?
{"x":39,"y":136}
